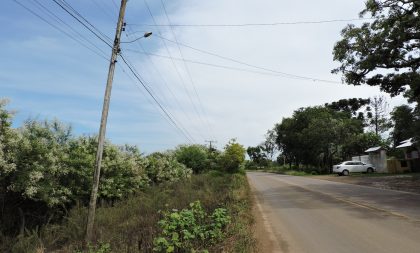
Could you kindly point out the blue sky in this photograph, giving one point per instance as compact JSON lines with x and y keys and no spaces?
{"x":45,"y":74}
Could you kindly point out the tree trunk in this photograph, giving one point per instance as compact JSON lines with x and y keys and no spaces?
{"x":22,"y":221}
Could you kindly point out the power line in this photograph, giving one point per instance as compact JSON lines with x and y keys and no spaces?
{"x":147,"y":97}
{"x":81,"y":22}
{"x":60,"y":29}
{"x":137,"y":76}
{"x":161,"y":76}
{"x":58,"y":19}
{"x":87,"y":21}
{"x":174,"y":64}
{"x":187,"y":70}
{"x":251,"y":65}
{"x":104,"y":10}
{"x":257,"y":24}
{"x":209,"y":64}
{"x":163,"y":94}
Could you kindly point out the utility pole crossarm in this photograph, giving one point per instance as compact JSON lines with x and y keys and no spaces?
{"x":102,"y":128}
{"x":210,"y":142}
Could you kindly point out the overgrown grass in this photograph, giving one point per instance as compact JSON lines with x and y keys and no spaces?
{"x":131,"y":225}
{"x":287,"y":171}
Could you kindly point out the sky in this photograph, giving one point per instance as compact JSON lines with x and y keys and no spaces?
{"x":48,"y":74}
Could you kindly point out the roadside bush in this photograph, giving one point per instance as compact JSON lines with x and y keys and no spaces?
{"x":190,"y":230}
{"x":233,"y":157}
{"x":163,"y":167}
{"x":194,"y":157}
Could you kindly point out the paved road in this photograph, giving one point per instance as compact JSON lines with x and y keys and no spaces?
{"x":311,"y":215}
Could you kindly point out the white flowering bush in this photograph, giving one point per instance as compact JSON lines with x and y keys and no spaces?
{"x":163,"y":167}
{"x":45,"y":171}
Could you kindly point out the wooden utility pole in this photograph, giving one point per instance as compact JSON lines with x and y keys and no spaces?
{"x":102,"y":128}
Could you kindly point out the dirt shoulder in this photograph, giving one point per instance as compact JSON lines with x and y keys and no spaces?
{"x":400,"y":182}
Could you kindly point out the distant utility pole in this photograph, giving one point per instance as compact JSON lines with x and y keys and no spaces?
{"x":210,"y":142}
{"x":102,"y":128}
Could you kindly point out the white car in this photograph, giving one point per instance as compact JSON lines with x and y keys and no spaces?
{"x":346,"y":167}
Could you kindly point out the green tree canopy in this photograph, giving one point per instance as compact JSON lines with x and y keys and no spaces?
{"x":315,"y":135}
{"x":233,"y":157}
{"x":352,"y":106}
{"x":386,"y":51}
{"x":257,"y":155}
{"x":404,"y":123}
{"x":194,"y":157}
{"x":358,"y":144}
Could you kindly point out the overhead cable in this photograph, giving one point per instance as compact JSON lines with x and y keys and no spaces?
{"x":174,"y":65}
{"x":189,"y":74}
{"x":60,"y":29}
{"x":258,"y":24}
{"x":251,"y":65}
{"x":136,"y":75}
{"x":83,"y":23}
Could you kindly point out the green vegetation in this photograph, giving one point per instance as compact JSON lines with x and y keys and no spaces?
{"x":191,"y":230}
{"x":141,"y":222}
{"x":385,"y":53}
{"x":45,"y":181}
{"x":196,"y":157}
{"x":233,"y":157}
{"x":314,"y":138}
{"x":318,"y":137}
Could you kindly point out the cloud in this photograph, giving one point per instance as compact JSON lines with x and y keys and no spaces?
{"x":47,"y":74}
{"x":246,"y":105}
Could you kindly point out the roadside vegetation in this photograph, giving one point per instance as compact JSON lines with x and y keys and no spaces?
{"x":382,"y":53}
{"x":315,"y":138}
{"x":190,"y":199}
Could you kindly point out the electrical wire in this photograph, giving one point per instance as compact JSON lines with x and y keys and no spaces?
{"x":135,"y":81}
{"x":257,"y":24}
{"x":161,"y":76}
{"x":251,"y":65}
{"x":108,"y":13}
{"x":60,"y":29}
{"x":137,"y":76}
{"x":206,"y":122}
{"x":207,"y":64}
{"x":174,"y":64}
{"x":82,"y":23}
{"x":183,"y":131}
{"x":87,"y":21}
{"x":59,"y":20}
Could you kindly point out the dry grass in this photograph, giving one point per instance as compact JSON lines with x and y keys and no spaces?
{"x":130,"y":225}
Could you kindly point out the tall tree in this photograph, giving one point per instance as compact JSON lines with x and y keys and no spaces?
{"x":378,"y":119}
{"x":314,"y":135}
{"x":404,"y":122}
{"x":269,"y":145}
{"x":256,"y":155}
{"x":233,"y":156}
{"x":352,"y":106}
{"x":385,"y":52}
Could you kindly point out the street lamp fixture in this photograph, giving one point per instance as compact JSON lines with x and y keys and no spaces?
{"x":146,"y":34}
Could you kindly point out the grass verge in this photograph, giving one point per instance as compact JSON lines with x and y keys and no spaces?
{"x":131,"y":225}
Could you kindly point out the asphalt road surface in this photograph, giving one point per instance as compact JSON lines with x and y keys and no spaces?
{"x":311,"y":215}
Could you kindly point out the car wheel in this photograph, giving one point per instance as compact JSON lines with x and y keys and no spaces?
{"x":345,"y":173}
{"x":369,"y":170}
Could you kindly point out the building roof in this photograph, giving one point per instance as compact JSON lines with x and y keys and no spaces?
{"x":406,"y":143}
{"x":373,"y":149}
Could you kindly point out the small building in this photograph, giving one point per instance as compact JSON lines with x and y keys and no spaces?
{"x":376,"y":156}
{"x":411,"y":154}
